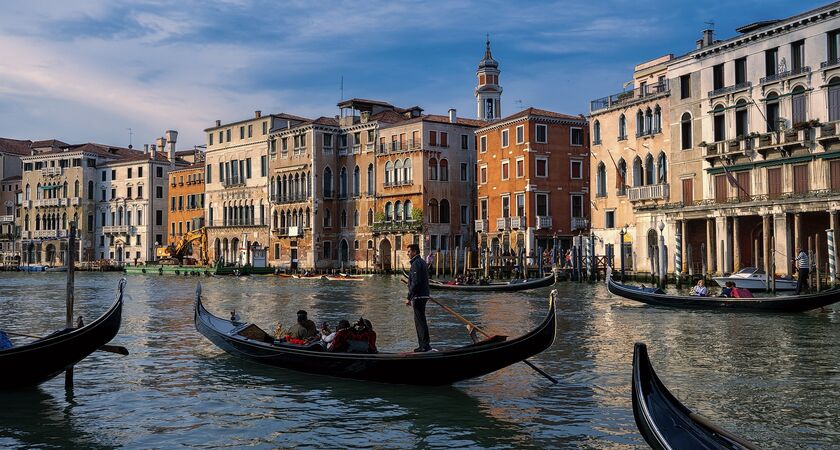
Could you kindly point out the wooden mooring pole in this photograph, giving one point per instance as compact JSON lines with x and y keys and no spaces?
{"x":70,"y":299}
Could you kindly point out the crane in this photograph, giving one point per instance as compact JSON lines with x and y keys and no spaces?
{"x":176,"y":251}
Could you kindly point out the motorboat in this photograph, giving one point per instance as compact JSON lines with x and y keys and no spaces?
{"x":755,"y":279}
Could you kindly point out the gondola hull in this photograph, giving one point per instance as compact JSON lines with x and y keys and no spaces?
{"x":430,"y":368}
{"x":493,"y":287}
{"x":784,"y":304}
{"x":665,"y":422}
{"x":34,"y":363}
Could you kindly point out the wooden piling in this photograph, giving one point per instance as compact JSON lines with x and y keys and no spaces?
{"x":811,"y":260}
{"x":70,"y":296}
{"x":817,"y":260}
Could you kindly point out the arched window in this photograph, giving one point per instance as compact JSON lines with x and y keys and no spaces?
{"x":648,"y":121}
{"x":327,"y":218}
{"x":798,"y":108}
{"x":433,"y":169}
{"x":444,"y":170}
{"x":76,"y":188}
{"x":834,"y":99}
{"x":356,"y":218}
{"x":638,"y":174}
{"x":662,"y":169}
{"x":342,"y":187}
{"x":719,"y":123}
{"x":370,"y":179}
{"x":64,"y":190}
{"x":398,"y":166}
{"x":343,"y":218}
{"x":772,"y":111}
{"x":601,"y":180}
{"x":444,"y":211}
{"x":650,"y":170}
{"x":409,"y":214}
{"x":306,"y":218}
{"x":370,"y":217}
{"x":596,"y":132}
{"x":622,"y":176}
{"x":685,"y":131}
{"x":90,"y":190}
{"x":388,"y":212}
{"x":742,"y":125}
{"x":38,"y":192}
{"x":640,"y":123}
{"x":26,"y":222}
{"x":622,"y":127}
{"x":328,"y":182}
{"x":357,"y":182}
{"x":26,"y":194}
{"x":407,"y":171}
{"x":434,"y":216}
{"x":37,"y":222}
{"x":272,"y":190}
{"x":389,"y":168}
{"x":398,"y":211}
{"x":275,"y":220}
{"x":657,"y":119}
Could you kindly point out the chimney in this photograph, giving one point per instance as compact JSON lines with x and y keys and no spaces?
{"x":257,"y":114}
{"x":145,"y":149}
{"x":153,"y":151}
{"x":708,"y":37}
{"x":699,"y":44}
{"x":171,"y":137}
{"x":218,"y":123}
{"x":453,"y":118}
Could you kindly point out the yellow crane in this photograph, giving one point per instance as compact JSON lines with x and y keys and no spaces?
{"x":174,"y":253}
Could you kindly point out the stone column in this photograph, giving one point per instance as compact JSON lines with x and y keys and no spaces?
{"x":783,"y":253}
{"x":710,"y":245}
{"x":736,"y":245}
{"x":797,"y":232}
{"x":765,"y":222}
{"x":721,"y":245}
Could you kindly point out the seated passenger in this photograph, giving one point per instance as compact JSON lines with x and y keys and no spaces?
{"x":741,"y":293}
{"x":362,"y":338}
{"x":699,"y":290}
{"x":727,"y":289}
{"x":303,"y":329}
{"x":337,"y":340}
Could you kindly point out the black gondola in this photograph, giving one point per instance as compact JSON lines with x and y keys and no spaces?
{"x":665,"y":422}
{"x":516,"y":285}
{"x":33,"y":363}
{"x":430,"y":368}
{"x":784,"y":304}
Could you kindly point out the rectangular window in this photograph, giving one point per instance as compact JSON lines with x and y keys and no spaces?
{"x":743,"y":187}
{"x":465,"y":218}
{"x":130,"y":172}
{"x":542,"y":134}
{"x":774,"y":182}
{"x":113,"y":194}
{"x":263,"y":166}
{"x":465,"y":142}
{"x":209,"y":174}
{"x":327,"y":138}
{"x":247,"y":167}
{"x":577,"y":205}
{"x":444,"y":139}
{"x":797,"y":56}
{"x":103,"y":195}
{"x":483,"y":208}
{"x":433,"y":242}
{"x":483,"y":144}
{"x":609,"y":219}
{"x":242,"y":132}
{"x":482,"y":174}
{"x":464,"y":172}
{"x":685,"y":86}
{"x":159,"y":172}
{"x":172,"y":207}
{"x":432,"y":137}
{"x":577,"y":136}
{"x":771,"y":61}
{"x":520,"y":134}
{"x":717,"y":77}
{"x":505,"y":170}
{"x":800,"y":179}
{"x":139,"y":193}
{"x":520,"y":205}
{"x":158,"y":220}
{"x":688,"y":191}
{"x":180,"y":203}
{"x":741,"y":70}
{"x":834,"y":175}
{"x":506,"y":206}
{"x":264,"y":127}
{"x":576,"y":169}
{"x":104,"y":176}
{"x":227,"y":135}
{"x":113,"y":174}
{"x":721,"y":192}
{"x":541,"y":204}
{"x":505,"y":138}
{"x":211,"y":138}
{"x":542,"y":167}
{"x":250,"y":131}
{"x":520,"y":167}
{"x":327,"y":250}
{"x":140,"y":172}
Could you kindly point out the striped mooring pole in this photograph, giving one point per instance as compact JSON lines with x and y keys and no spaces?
{"x":678,"y":252}
{"x":832,"y":269}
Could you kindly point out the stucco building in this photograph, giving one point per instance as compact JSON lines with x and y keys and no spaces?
{"x":186,"y":202}
{"x":11,"y":151}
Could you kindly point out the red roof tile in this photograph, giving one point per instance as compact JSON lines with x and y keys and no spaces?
{"x":15,"y":146}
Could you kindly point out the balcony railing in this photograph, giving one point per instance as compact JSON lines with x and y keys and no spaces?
{"x":627,"y":97}
{"x":51,"y":171}
{"x":394,"y":183}
{"x":290,"y":199}
{"x":830,"y":63}
{"x":730,"y":89}
{"x":517,"y":223}
{"x":650,"y":192}
{"x":295,"y":231}
{"x":481,"y":226}
{"x":48,"y":202}
{"x":503,"y":223}
{"x":7,"y":218}
{"x":116,"y":229}
{"x":785,"y":74}
{"x":398,"y":226}
{"x":579,"y":223}
{"x":233,"y":181}
{"x":543,"y":222}
{"x":49,"y":234}
{"x":400,"y":146}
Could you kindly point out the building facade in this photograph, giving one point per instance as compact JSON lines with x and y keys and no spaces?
{"x":186,"y":202}
{"x":533,"y":182}
{"x":11,"y":151}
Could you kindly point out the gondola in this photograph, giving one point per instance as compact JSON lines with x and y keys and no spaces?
{"x":667,"y":424}
{"x":783,"y":304}
{"x":493,"y":287}
{"x":36,"y":362}
{"x":431,"y":368}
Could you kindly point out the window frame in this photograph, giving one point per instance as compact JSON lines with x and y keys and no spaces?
{"x":537,"y":161}
{"x":572,"y":136}
{"x":505,"y":138}
{"x":537,"y":129}
{"x":520,"y":134}
{"x":504,"y":173}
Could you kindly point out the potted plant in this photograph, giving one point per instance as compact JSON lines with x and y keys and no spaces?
{"x":764,"y":139}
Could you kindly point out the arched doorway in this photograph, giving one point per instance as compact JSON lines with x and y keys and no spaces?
{"x":653,"y":249}
{"x":384,"y":254}
{"x":344,"y":252}
{"x":217,"y":249}
{"x":225,"y":251}
{"x":50,"y":258}
{"x":234,"y":251}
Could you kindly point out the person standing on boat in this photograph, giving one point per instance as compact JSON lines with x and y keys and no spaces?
{"x":803,"y":263}
{"x":418,"y":295}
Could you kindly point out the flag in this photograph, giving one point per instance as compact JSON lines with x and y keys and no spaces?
{"x":619,"y":177}
{"x":732,"y":181}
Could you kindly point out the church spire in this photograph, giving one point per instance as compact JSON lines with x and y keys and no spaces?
{"x":487,"y":54}
{"x":488,"y":92}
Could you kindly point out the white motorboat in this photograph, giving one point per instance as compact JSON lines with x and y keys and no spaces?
{"x":755,"y":279}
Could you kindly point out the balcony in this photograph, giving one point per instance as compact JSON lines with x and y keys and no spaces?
{"x":50,"y":202}
{"x":503,"y":223}
{"x":399,"y":226}
{"x":76,"y":201}
{"x":395,"y":183}
{"x":627,"y":98}
{"x":49,"y":234}
{"x":543,"y":222}
{"x":289,"y":232}
{"x":830,"y":63}
{"x":357,"y":149}
{"x":786,"y":74}
{"x":796,"y":138}
{"x":730,"y":89}
{"x":233,"y":182}
{"x":650,"y":192}
{"x":481,"y":226}
{"x":7,"y":218}
{"x":579,"y":223}
{"x":289,"y":199}
{"x":116,"y":229}
{"x":51,"y":171}
{"x":518,"y":223}
{"x":828,"y":133}
{"x":400,"y":146}
{"x":369,"y":147}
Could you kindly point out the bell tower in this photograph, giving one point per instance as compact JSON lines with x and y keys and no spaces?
{"x":488,"y":92}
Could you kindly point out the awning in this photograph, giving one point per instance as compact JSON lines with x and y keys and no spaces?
{"x":50,"y":188}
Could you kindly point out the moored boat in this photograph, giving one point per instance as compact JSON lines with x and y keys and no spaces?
{"x":755,"y":280}
{"x":783,"y":304}
{"x":665,"y":422}
{"x":429,"y":368}
{"x":32,"y":268}
{"x":33,"y":363}
{"x":510,"y":286}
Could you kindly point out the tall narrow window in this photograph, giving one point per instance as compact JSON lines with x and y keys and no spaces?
{"x":622,"y":127}
{"x":773,"y":112}
{"x":741,"y":70}
{"x":834,"y":99}
{"x":742,"y":125}
{"x":685,"y":86}
{"x":797,"y":100}
{"x":717,"y":77}
{"x":833,"y":47}
{"x":720,"y":123}
{"x":771,"y":61}
{"x":685,"y":131}
{"x":596,"y":132}
{"x":601,"y":180}
{"x":797,"y":56}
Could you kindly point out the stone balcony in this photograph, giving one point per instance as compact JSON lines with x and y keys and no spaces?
{"x":117,"y":229}
{"x":543,"y":222}
{"x":579,"y":223}
{"x":518,"y":223}
{"x":49,"y":234}
{"x":50,"y":202}
{"x":481,"y":226}
{"x":9,"y":218}
{"x":503,"y":223}
{"x":649,"y":192}
{"x":401,"y":226}
{"x":51,"y":171}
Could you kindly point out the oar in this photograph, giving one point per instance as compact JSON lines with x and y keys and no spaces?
{"x":475,"y":327}
{"x":118,"y":349}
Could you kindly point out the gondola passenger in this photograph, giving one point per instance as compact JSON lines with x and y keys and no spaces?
{"x":700,"y":290}
{"x":727,"y":289}
{"x":304,"y":328}
{"x":337,"y":340}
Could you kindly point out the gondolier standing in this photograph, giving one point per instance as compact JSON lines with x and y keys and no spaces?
{"x":803,"y":263}
{"x":418,"y":295}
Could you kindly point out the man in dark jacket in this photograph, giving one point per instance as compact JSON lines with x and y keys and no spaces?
{"x":418,"y":295}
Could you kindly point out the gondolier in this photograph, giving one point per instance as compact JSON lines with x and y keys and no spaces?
{"x":803,"y":263}
{"x":418,"y":295}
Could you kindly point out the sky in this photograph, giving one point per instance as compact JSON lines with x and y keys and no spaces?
{"x":119,"y":72}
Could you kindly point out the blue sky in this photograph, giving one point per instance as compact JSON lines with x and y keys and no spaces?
{"x":87,"y":71}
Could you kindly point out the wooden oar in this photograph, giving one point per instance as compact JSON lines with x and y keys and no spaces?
{"x":118,"y":349}
{"x":475,"y":327}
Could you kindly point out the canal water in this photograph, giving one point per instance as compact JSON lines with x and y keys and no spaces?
{"x":773,"y":379}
